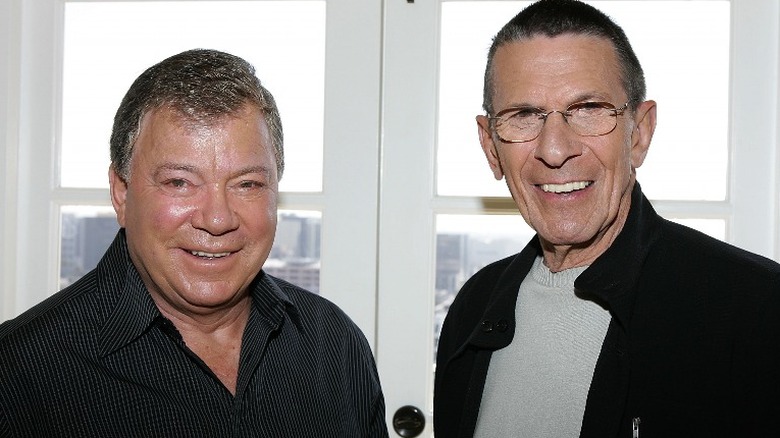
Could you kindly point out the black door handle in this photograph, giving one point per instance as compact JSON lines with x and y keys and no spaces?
{"x":408,"y":421}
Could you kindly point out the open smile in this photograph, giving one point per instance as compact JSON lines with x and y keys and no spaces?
{"x":568,"y":187}
{"x":210,"y":255}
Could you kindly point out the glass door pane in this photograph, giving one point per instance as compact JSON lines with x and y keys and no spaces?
{"x":295,"y":256}
{"x":85,"y":234}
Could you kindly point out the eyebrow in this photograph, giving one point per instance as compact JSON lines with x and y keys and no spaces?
{"x":590,"y":97}
{"x":175,"y":166}
{"x":583,"y":97}
{"x":265,"y":170}
{"x":169,"y":166}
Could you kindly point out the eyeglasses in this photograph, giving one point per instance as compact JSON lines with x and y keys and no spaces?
{"x":589,"y":119}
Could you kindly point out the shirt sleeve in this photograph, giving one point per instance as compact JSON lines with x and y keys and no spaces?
{"x":5,"y":425}
{"x":378,"y":427}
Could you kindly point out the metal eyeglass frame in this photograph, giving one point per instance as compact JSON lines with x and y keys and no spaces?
{"x":565,"y":113}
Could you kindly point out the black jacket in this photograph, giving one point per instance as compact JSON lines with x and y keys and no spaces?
{"x":693,"y":348}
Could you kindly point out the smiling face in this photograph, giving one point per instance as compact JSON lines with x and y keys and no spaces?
{"x":199,"y":208}
{"x":575,"y":191}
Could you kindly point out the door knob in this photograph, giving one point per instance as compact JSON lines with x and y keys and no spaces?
{"x":408,"y":421}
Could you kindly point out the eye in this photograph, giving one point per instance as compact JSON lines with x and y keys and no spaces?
{"x":525,"y":113}
{"x":590,"y":109}
{"x":249,"y":187}
{"x":177,"y":186}
{"x":249,"y":184}
{"x":177,"y":183}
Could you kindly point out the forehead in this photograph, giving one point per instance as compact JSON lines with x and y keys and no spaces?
{"x":192,"y":120}
{"x":556,"y":70}
{"x":167,"y":131}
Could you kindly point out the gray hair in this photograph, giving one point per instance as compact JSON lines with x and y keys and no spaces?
{"x":202,"y":86}
{"x":557,"y":17}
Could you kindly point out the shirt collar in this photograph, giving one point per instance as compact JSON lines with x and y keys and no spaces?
{"x":271,"y":303}
{"x":134,"y":310}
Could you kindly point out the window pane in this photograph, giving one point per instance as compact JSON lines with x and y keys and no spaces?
{"x":295,"y":256}
{"x":87,"y":231}
{"x":713,"y":227}
{"x":108,"y":44}
{"x":686,"y":66}
{"x":465,"y":244}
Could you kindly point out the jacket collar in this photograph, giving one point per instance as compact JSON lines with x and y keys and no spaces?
{"x":613,"y":275}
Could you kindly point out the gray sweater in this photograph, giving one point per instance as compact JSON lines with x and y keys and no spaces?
{"x":537,"y":386}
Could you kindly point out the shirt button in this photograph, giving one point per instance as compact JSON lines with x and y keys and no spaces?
{"x":502,"y":325}
{"x":487,"y":326}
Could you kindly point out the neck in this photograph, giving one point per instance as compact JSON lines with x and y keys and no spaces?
{"x":559,"y":257}
{"x":215,"y":338}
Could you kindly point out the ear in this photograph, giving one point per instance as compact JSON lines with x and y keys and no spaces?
{"x":489,"y":146}
{"x":118,"y":187}
{"x":644,"y":127}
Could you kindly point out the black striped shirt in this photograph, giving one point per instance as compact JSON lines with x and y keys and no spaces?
{"x":98,"y":359}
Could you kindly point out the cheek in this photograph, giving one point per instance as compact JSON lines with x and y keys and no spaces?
{"x":259,"y":215}
{"x":509,"y":158}
{"x":614,"y":157}
{"x":266,"y":218}
{"x":515,"y":163}
{"x":176,"y":210}
{"x":160,"y":213}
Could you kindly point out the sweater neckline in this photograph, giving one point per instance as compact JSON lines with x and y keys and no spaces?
{"x":544,"y":276}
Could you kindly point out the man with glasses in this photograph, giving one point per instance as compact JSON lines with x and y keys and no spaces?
{"x":612,"y":320}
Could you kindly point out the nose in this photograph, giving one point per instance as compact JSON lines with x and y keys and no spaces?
{"x":215,"y":214}
{"x":557,"y":142}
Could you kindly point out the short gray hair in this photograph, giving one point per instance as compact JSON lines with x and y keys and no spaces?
{"x":202,"y":86}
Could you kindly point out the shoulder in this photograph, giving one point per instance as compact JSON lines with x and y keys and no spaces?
{"x":485,"y":280}
{"x":490,"y":293}
{"x":310,"y":303}
{"x":319,"y":316}
{"x":40,"y":343}
{"x":710,"y":280}
{"x":495,"y":281}
{"x":697,"y":253}
{"x":53,"y":317}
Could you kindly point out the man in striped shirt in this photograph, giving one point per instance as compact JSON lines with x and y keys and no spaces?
{"x":178,"y":331}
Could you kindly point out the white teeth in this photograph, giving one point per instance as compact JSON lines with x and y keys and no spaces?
{"x":209,"y":255}
{"x":565,"y":188}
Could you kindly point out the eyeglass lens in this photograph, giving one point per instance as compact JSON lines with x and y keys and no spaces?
{"x":585,"y":118}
